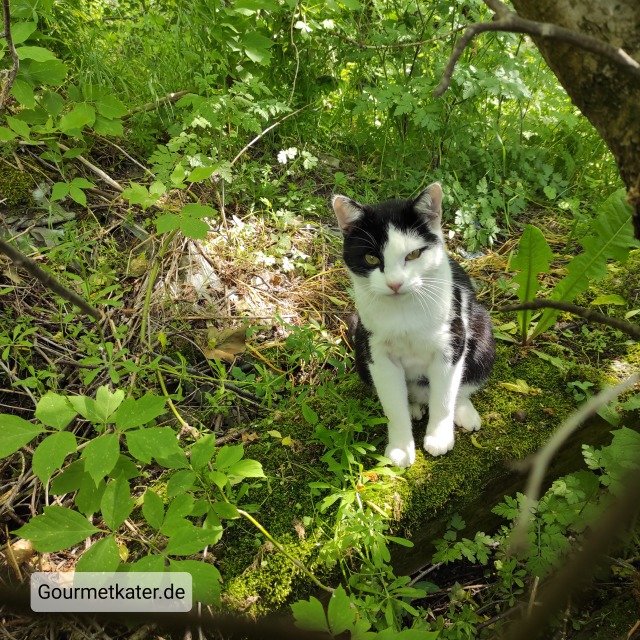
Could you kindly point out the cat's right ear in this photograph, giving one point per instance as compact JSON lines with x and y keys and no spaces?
{"x":347,"y":211}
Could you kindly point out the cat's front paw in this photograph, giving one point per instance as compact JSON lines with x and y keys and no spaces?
{"x":467,"y":417}
{"x":439,"y":440}
{"x":417,"y":411}
{"x":403,"y":456}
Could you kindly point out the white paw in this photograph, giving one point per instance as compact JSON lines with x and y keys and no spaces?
{"x":401,"y":456}
{"x":439,"y":440}
{"x":417,"y":411}
{"x":467,"y":417}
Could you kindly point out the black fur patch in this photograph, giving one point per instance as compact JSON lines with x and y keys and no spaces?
{"x":363,"y":353}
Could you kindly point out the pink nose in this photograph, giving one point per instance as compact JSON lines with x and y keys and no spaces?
{"x":394,"y":286}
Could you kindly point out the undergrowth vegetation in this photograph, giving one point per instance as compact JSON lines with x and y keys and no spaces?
{"x":172,"y":166}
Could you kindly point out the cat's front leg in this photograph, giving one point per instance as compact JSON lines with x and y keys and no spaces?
{"x":391,"y":387}
{"x":445,"y":382}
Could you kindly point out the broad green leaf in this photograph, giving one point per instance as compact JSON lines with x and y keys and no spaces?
{"x":23,"y":92}
{"x":180,"y":482}
{"x":82,"y":183}
{"x":52,"y":103}
{"x":6,"y":134}
{"x":39,"y":54}
{"x":194,"y":228}
{"x":56,"y":529}
{"x":167,"y":222}
{"x":533,"y":257}
{"x":218,"y":478}
{"x":256,"y":47}
{"x":110,"y":107}
{"x":340,"y":613}
{"x":54,"y":410}
{"x":611,"y":237}
{"x":194,"y":210}
{"x":201,"y":173}
{"x":229,"y":455}
{"x":60,"y":190}
{"x":80,"y":116}
{"x":78,"y":195}
{"x":609,"y":298}
{"x":108,"y":402}
{"x":153,"y":509}
{"x":116,"y":504}
{"x":21,"y":31}
{"x":102,"y":556}
{"x":15,"y":432}
{"x":246,"y":469}
{"x":152,"y":564}
{"x":157,"y":443}
{"x":309,"y":615}
{"x":137,"y":413}
{"x":89,"y":495}
{"x":225,"y":510}
{"x":51,"y":72}
{"x":101,"y":455}
{"x":206,"y":579}
{"x":309,"y":414}
{"x":19,"y":126}
{"x":69,"y":480}
{"x":106,"y":127}
{"x":202,"y":451}
{"x":190,"y":539}
{"x":50,"y":454}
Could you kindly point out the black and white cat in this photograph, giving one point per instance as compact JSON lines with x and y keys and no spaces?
{"x":422,"y":337}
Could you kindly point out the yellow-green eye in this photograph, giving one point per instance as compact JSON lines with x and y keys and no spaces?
{"x":371,"y":259}
{"x":413,"y":255}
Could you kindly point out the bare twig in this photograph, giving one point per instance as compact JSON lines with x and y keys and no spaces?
{"x":510,"y":21}
{"x":169,"y":98}
{"x":47,"y":280}
{"x":404,"y":45}
{"x":97,"y":170}
{"x":10,"y":74}
{"x":588,"y":314}
{"x":540,"y":460}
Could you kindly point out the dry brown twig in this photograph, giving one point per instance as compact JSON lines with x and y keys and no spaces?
{"x":507,"y":20}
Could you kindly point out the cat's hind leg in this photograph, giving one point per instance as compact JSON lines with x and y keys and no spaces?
{"x":466,"y":415}
{"x":418,"y":398}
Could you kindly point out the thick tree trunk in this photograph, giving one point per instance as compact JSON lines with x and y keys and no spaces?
{"x":607,"y":94}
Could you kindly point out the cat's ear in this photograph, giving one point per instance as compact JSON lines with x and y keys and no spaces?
{"x":429,"y":203}
{"x":347,"y":211}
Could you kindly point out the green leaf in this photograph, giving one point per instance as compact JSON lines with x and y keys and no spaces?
{"x":167,"y":222}
{"x":256,"y":47}
{"x":218,"y":478}
{"x":82,"y":183}
{"x":340,"y":613}
{"x":56,"y":529}
{"x":194,"y":228}
{"x":101,"y":455}
{"x":89,"y":495}
{"x":153,"y":509}
{"x":80,"y":116}
{"x":202,"y":451}
{"x":51,"y":72}
{"x":39,"y":54}
{"x":309,"y":414}
{"x":180,"y":482}
{"x":102,"y":556}
{"x":52,"y":103}
{"x":78,"y":195}
{"x":190,"y":539}
{"x":19,"y":126}
{"x":533,"y":257}
{"x":106,"y":127}
{"x":229,"y":455}
{"x":108,"y":402}
{"x":60,"y":190}
{"x":21,"y":31}
{"x":6,"y":134}
{"x":611,"y":236}
{"x":225,"y":510}
{"x":159,"y":443}
{"x":609,"y":298}
{"x":194,"y":210}
{"x":110,"y":107}
{"x":137,"y":413}
{"x":23,"y":92}
{"x":309,"y":615}
{"x":246,"y":469}
{"x":69,"y":480}
{"x":15,"y":432}
{"x":116,"y":504}
{"x":51,"y":453}
{"x":206,"y":579}
{"x":54,"y":410}
{"x":201,"y":173}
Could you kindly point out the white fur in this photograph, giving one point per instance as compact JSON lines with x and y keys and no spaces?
{"x":409,"y":334}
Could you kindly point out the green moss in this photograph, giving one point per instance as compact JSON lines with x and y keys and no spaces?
{"x":15,"y":185}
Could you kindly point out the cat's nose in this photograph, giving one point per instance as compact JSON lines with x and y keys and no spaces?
{"x":394,"y":286}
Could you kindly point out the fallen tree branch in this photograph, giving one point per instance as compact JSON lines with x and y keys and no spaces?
{"x":509,"y":21}
{"x":97,"y":170}
{"x":10,"y":74}
{"x":629,"y":328}
{"x":47,"y":280}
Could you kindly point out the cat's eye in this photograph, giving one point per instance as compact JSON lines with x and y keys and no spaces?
{"x":413,"y":255}
{"x":371,"y":259}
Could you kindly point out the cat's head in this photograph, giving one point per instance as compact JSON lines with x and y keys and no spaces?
{"x":391,"y":247}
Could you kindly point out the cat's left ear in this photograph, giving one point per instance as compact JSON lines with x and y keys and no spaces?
{"x":347,"y":211}
{"x":429,"y":204}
